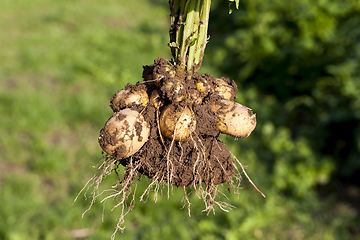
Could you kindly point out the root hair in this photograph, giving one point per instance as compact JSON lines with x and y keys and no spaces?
{"x":203,"y":182}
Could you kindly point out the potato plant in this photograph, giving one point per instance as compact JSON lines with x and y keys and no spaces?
{"x":166,"y":126}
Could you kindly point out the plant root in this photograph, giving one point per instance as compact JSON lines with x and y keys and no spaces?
{"x":202,"y":184}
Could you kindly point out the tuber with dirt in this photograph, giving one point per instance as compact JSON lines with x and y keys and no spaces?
{"x":177,"y":140}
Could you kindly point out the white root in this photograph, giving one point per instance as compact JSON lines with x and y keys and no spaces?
{"x":186,"y":201}
{"x":243,"y":169}
{"x":207,"y":193}
{"x":105,"y":169}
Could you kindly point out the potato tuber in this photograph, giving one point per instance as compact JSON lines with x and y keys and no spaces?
{"x":124,"y":133}
{"x":174,"y":89}
{"x":177,"y":122}
{"x":224,"y":89}
{"x":235,"y":119}
{"x":124,"y":98}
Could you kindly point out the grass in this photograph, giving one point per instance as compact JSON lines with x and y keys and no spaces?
{"x":61,"y":61}
{"x":60,"y":64}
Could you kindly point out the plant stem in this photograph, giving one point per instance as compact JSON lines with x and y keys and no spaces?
{"x":188,"y":33}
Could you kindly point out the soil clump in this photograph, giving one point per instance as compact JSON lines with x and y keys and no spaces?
{"x":201,"y":159}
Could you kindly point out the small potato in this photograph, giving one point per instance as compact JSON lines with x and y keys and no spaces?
{"x":156,"y":99}
{"x":174,"y":89}
{"x":162,"y":70}
{"x":177,"y":122}
{"x":224,"y":89}
{"x":151,"y":77}
{"x":124,"y":98}
{"x":202,"y":87}
{"x":157,"y":81}
{"x":124,"y":133}
{"x":168,"y":68}
{"x":194,"y":97}
{"x":235,"y":119}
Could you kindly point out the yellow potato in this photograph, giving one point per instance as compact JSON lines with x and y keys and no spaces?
{"x":224,"y":89}
{"x":156,"y":99}
{"x":177,"y":122}
{"x":124,"y":98}
{"x":201,"y":87}
{"x":235,"y":119}
{"x":124,"y":133}
{"x":194,"y":97}
{"x":174,"y":89}
{"x":160,"y":72}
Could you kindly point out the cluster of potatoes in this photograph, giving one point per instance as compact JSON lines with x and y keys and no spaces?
{"x":174,"y":96}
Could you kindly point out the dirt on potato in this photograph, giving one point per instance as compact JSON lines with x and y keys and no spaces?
{"x":203,"y":158}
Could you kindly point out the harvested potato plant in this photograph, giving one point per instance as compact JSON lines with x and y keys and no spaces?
{"x":166,"y":126}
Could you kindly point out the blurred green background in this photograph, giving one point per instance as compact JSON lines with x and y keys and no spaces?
{"x":296,"y":63}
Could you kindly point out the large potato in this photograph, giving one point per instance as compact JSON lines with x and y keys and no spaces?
{"x":177,"y":122}
{"x":235,"y":119}
{"x":124,"y":133}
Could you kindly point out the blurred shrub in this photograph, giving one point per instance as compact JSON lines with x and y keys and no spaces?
{"x":301,"y":59}
{"x":296,"y":64}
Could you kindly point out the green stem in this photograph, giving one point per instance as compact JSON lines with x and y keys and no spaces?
{"x":188,"y":33}
{"x":203,"y":37}
{"x":193,"y":20}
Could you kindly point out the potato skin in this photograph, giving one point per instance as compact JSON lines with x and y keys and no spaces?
{"x":235,"y":119}
{"x":174,"y":89}
{"x":124,"y":98}
{"x":124,"y":133}
{"x":224,"y":89}
{"x":177,"y":122}
{"x":156,"y":100}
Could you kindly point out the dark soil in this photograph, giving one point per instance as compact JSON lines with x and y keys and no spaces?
{"x":203,"y":158}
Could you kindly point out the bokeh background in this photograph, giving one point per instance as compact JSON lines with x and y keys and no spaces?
{"x":296,"y":63}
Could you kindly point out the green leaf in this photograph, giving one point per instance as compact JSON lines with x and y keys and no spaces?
{"x":233,"y":4}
